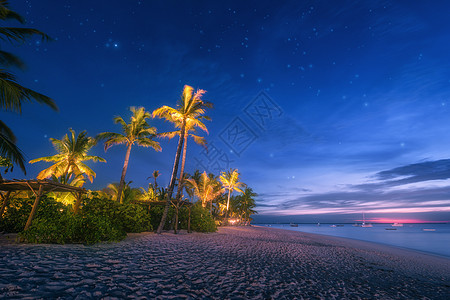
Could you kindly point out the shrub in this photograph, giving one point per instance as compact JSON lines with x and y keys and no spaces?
{"x":201,"y":219}
{"x":70,"y":228}
{"x":19,"y":209}
{"x":99,"y":219}
{"x":130,"y":217}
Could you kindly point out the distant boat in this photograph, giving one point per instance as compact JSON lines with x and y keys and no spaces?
{"x":294,"y":225}
{"x":333,"y":226}
{"x":429,"y":229}
{"x":397,"y":225}
{"x":364,"y":224}
{"x":391,"y":228}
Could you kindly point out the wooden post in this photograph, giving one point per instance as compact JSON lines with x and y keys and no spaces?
{"x":77,"y":203}
{"x":189,"y":219}
{"x":35,"y":205}
{"x":5,"y":203}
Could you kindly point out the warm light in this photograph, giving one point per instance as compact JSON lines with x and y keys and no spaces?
{"x":232,"y":221}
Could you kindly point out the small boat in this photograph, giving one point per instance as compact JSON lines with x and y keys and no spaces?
{"x":429,"y":229}
{"x":391,"y":228}
{"x":294,"y":225}
{"x":333,"y":226}
{"x":364,"y":224}
{"x":397,"y":225}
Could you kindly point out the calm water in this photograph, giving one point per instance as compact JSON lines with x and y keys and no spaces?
{"x":411,"y":236}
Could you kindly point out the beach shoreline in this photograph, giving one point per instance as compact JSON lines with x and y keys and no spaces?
{"x":235,"y":262}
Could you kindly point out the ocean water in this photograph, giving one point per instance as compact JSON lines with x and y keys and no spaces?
{"x":430,"y":238}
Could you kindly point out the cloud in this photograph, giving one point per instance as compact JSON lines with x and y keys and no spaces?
{"x":424,"y":171}
{"x":392,"y":192}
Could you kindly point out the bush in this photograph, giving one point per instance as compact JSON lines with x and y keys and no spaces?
{"x":70,"y":228}
{"x":130,"y":217}
{"x":201,"y":219}
{"x":99,"y":219}
{"x":19,"y":209}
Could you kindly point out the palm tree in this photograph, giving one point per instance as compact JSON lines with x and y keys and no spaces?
{"x":128,"y":193}
{"x":207,"y":188}
{"x":137,"y":131}
{"x":72,"y":152}
{"x":155,"y":175}
{"x":230,"y":182}
{"x":12,"y":94}
{"x":246,"y":204}
{"x":188,"y":114}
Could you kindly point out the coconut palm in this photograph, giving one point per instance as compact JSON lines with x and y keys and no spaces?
{"x":188,"y":115}
{"x":230,"y":182}
{"x":155,"y":175}
{"x":138,"y":132}
{"x":207,"y":188}
{"x":12,"y":94}
{"x":72,"y":152}
{"x":245,"y":204}
{"x":128,"y":193}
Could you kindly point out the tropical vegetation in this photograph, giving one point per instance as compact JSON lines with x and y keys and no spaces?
{"x":138,"y":132}
{"x":202,"y":201}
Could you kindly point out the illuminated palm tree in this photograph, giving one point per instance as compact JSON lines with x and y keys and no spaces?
{"x":12,"y":94}
{"x":155,"y":175}
{"x":72,"y":152}
{"x":127,"y":194}
{"x":188,"y":114}
{"x":230,"y":182}
{"x":246,"y":204}
{"x":138,"y":131}
{"x":207,"y":188}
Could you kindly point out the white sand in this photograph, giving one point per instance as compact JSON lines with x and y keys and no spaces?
{"x":234,"y":263}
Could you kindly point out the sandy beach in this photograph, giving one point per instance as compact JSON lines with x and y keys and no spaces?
{"x":234,"y":263}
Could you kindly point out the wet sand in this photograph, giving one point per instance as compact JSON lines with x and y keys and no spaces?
{"x":234,"y":263}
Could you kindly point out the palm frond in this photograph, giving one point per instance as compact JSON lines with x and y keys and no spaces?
{"x":147,"y":142}
{"x":84,"y":169}
{"x":6,"y":13}
{"x":94,"y":158}
{"x":169,"y":134}
{"x":8,"y":59}
{"x":9,"y":150}
{"x":17,"y":34}
{"x":6,"y":131}
{"x":53,"y":158}
{"x":12,"y":94}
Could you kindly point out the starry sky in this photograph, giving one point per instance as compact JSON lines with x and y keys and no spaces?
{"x":328,"y":108}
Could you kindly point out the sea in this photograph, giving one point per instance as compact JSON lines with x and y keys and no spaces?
{"x":430,"y":238}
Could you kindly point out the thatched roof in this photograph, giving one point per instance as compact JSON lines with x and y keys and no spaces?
{"x":34,"y":184}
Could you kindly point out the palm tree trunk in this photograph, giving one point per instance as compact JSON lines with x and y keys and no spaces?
{"x":124,"y":171}
{"x":183,"y":161}
{"x":172,"y":181}
{"x":180,"y":180}
{"x":228,"y":205}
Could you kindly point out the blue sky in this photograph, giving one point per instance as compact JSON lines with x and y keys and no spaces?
{"x":327,"y":109}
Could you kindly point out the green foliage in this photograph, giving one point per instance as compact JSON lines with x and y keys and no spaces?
{"x":16,"y":215}
{"x":70,"y":228}
{"x":201,"y":219}
{"x":100,"y":219}
{"x":130,"y":217}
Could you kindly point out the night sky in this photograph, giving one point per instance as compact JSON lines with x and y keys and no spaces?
{"x":328,"y":108}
